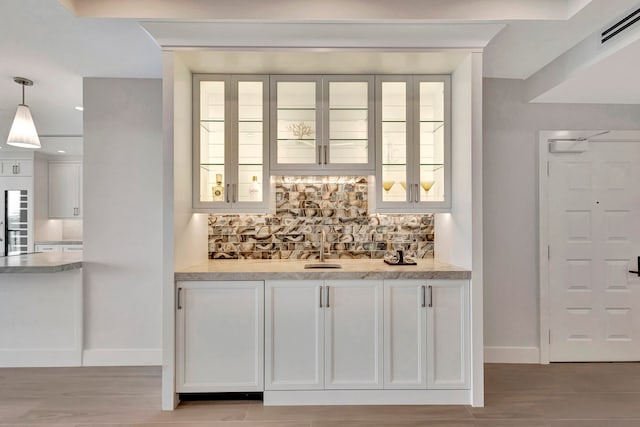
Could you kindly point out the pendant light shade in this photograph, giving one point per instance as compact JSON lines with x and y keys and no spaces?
{"x":23,"y":131}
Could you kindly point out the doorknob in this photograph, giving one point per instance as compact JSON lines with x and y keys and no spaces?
{"x":637,"y":272}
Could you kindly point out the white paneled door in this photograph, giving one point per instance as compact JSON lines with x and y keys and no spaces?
{"x":594,"y":236}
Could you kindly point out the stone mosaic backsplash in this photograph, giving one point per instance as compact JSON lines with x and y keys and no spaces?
{"x":305,"y":206}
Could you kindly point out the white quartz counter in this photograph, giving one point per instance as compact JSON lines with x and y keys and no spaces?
{"x":51,"y":262}
{"x":294,"y":269}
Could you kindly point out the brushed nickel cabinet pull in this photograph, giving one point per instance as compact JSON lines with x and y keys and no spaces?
{"x":320,"y":296}
{"x":179,"y":299}
{"x":417,"y":195}
{"x":430,"y":296}
{"x":319,"y":155}
{"x":227,"y":197}
{"x":326,"y":155}
{"x":328,"y":298}
{"x":424,"y":297}
{"x":233,"y":193}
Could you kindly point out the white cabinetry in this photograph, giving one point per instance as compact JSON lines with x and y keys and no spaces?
{"x":219,"y":335}
{"x":65,"y":190}
{"x":426,"y":334}
{"x":230,"y":144}
{"x":413,"y":144}
{"x":323,"y":335}
{"x":17,"y":167}
{"x":322,"y":124}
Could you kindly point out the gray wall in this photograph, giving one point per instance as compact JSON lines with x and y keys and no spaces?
{"x":510,"y":201}
{"x":122,"y":221}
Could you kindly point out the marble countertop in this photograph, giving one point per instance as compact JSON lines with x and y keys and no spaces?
{"x":294,"y":269}
{"x":50,"y":262}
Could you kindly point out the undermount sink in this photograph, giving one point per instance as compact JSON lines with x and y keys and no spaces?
{"x":322,"y":265}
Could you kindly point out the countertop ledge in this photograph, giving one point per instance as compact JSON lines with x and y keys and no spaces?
{"x":294,"y":270}
{"x":50,"y":262}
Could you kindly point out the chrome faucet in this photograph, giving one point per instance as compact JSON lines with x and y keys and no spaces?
{"x":323,"y":238}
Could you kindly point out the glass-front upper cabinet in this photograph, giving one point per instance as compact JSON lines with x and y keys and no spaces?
{"x":413,"y":144}
{"x":230,"y":142}
{"x":322,"y":124}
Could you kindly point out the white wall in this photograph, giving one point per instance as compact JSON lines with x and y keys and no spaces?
{"x":510,"y":207}
{"x":122,"y":221}
{"x":185,"y":233}
{"x":459,"y":233}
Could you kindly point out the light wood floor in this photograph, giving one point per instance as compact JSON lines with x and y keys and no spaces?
{"x":558,"y":395}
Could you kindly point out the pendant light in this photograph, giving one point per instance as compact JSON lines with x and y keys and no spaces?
{"x":23,"y":131}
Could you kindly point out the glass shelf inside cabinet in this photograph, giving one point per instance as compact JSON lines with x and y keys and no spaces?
{"x":213,"y":125}
{"x":431,"y":125}
{"x":431,"y":166}
{"x":211,"y":166}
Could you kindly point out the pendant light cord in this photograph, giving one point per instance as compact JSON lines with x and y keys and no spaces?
{"x":23,"y":94}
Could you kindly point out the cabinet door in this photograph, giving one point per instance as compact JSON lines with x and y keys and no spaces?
{"x":394,"y":168}
{"x":211,"y":141}
{"x":17,"y":167}
{"x":348,"y":128}
{"x":296,"y":130}
{"x":432,"y":147}
{"x":353,"y":334}
{"x":405,"y":337}
{"x":63,"y":190}
{"x":294,"y":333}
{"x":220,"y":336}
{"x":448,"y":334}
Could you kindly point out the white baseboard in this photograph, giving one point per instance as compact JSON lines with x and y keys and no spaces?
{"x":511,"y":355}
{"x":39,"y":358}
{"x":122,"y":357}
{"x":367,"y":397}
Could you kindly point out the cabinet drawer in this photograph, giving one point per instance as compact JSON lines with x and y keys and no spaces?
{"x":72,"y":248}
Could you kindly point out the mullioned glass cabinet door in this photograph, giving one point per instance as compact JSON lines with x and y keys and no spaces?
{"x":413,"y":144}
{"x":322,"y":124}
{"x":231,"y":143}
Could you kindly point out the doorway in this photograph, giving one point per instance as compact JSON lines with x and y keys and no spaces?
{"x":590,"y":193}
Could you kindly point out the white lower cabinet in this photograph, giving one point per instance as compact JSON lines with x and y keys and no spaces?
{"x":219,"y":336}
{"x":323,"y":335}
{"x":426,"y":334}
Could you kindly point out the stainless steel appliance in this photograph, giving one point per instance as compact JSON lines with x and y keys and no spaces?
{"x":16,"y":230}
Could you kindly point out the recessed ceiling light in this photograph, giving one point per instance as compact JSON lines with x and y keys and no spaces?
{"x":79,"y":108}
{"x":61,"y":151}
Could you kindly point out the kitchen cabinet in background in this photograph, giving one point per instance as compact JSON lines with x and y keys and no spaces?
{"x":16,"y":167}
{"x":65,"y":190}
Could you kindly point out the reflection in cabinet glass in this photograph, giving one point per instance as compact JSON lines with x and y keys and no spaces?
{"x":231,"y":149}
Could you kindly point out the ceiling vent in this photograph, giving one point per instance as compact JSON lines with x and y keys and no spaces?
{"x":620,"y":26}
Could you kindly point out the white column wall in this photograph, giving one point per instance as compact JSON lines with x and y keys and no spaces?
{"x":122,"y":221}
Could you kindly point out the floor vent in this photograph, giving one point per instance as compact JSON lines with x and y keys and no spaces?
{"x":620,"y":26}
